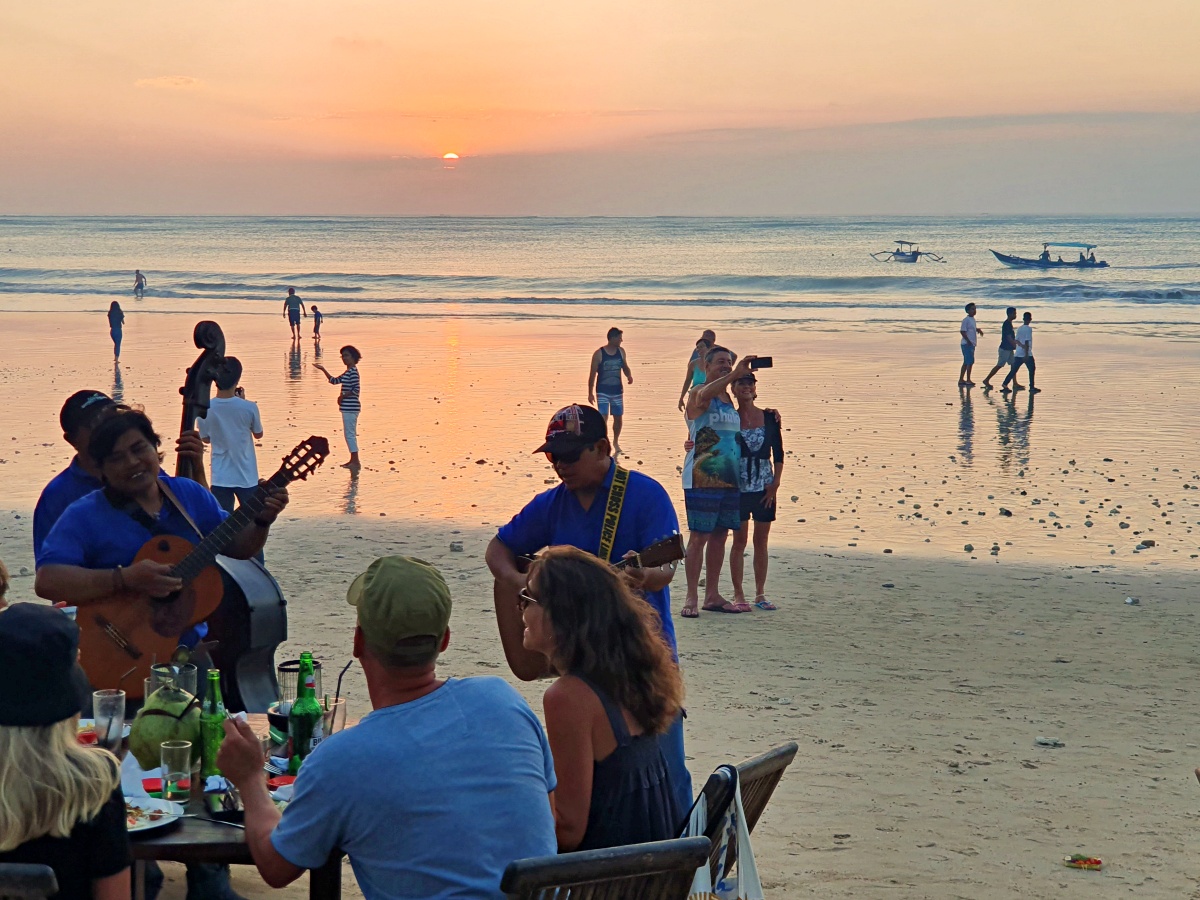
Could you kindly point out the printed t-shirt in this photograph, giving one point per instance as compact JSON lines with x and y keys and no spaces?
{"x":712,"y":463}
{"x":432,"y":798}
{"x":555,"y":517}
{"x":608,"y":376}
{"x":231,"y":424}
{"x":1024,"y":335}
{"x":968,"y":325}
{"x":94,"y":849}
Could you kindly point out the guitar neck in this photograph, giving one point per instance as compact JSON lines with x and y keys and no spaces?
{"x":222,"y":536}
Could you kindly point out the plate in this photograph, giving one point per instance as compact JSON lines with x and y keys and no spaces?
{"x":144,"y":813}
{"x":90,"y":725}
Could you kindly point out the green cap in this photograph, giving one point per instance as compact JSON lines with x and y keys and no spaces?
{"x":399,"y":597}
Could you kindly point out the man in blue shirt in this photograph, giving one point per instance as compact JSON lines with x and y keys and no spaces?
{"x":436,"y":791}
{"x":573,"y":514}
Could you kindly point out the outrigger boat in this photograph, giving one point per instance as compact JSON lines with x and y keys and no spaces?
{"x":905,"y":252}
{"x":1087,"y":259}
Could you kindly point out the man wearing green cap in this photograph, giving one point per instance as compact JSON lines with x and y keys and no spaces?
{"x":436,"y":791}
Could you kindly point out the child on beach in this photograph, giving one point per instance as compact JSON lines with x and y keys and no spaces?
{"x":348,"y":400}
{"x":317,"y":317}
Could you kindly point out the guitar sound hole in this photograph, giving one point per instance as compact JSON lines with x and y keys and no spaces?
{"x":163,"y":546}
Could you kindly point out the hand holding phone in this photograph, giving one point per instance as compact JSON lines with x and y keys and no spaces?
{"x":762,"y":362}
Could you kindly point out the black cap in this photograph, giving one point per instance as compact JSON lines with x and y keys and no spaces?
{"x":82,"y":409}
{"x":42,"y":681}
{"x":574,"y":427}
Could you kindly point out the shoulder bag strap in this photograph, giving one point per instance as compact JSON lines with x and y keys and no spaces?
{"x":612,"y":513}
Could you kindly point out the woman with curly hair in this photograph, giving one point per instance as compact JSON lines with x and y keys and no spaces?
{"x":60,"y":803}
{"x":618,"y":691}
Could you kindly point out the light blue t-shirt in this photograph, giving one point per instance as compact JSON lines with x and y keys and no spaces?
{"x":432,"y":798}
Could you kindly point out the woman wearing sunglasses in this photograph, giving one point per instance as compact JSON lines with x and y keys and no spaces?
{"x":618,"y":690}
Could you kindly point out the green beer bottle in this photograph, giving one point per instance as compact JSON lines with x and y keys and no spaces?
{"x":306,"y":722}
{"x":212,"y":725}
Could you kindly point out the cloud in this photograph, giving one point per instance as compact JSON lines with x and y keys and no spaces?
{"x":170,"y":83}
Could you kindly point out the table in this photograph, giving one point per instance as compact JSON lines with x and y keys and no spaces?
{"x":206,"y":841}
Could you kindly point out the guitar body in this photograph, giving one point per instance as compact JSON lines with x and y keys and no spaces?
{"x":132,"y":631}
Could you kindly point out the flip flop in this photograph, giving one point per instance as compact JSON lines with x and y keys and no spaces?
{"x":689,"y":612}
{"x":763,"y":603}
{"x":744,"y":607}
{"x":726,"y":607}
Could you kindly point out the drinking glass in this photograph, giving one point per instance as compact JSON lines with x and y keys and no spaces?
{"x":108,"y":709}
{"x":183,"y":677}
{"x":177,"y":770}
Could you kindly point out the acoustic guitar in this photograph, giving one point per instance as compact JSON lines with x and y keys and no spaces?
{"x":123,"y":635}
{"x":529,"y":665}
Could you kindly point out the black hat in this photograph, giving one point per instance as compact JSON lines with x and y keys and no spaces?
{"x":42,"y":681}
{"x":82,"y":409}
{"x":574,"y":427}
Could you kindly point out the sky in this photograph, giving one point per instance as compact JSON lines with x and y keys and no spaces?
{"x":599,"y":107}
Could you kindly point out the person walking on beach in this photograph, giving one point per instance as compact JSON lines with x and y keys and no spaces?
{"x":139,"y":283}
{"x":1023,"y":356}
{"x":605,"y":390}
{"x":694,"y":376}
{"x":1008,"y":346}
{"x":116,"y":322}
{"x":574,"y":514}
{"x":348,"y":400}
{"x":711,"y":490}
{"x":318,"y":317}
{"x":232,"y":426}
{"x":970,"y":337}
{"x":759,"y":474}
{"x":292,"y":307}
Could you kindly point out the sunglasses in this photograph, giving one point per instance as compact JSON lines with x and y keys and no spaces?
{"x":525,"y":599}
{"x":567,"y":458}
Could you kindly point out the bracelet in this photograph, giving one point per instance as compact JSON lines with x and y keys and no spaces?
{"x":261,"y":524}
{"x":118,"y":579}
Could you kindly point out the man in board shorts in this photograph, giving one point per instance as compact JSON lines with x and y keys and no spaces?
{"x":605,"y":390}
{"x":293,"y":306}
{"x":1008,"y":346}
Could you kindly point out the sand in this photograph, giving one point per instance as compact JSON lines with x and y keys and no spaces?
{"x":915,"y":681}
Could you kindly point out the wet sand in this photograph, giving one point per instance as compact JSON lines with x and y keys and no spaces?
{"x":915,"y":681}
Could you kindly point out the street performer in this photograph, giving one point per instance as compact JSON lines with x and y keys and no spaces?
{"x":574,"y":513}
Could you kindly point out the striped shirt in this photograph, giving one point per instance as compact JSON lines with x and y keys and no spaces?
{"x":348,"y":400}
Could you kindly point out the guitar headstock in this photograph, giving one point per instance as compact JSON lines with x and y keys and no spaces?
{"x":305,"y":458}
{"x":660,"y":553}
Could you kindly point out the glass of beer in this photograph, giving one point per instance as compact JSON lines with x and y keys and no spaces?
{"x":177,"y":770}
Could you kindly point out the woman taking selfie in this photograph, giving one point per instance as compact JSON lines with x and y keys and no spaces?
{"x":60,"y":803}
{"x":618,"y":690}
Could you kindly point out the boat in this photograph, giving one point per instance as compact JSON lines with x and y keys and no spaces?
{"x":1087,"y":259}
{"x":905,"y":252}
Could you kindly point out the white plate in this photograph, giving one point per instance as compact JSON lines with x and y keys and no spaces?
{"x":170,"y":811}
{"x":90,"y":725}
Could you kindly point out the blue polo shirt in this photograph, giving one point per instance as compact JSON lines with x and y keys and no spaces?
{"x":95,"y":535}
{"x":64,"y":489}
{"x":555,"y":517}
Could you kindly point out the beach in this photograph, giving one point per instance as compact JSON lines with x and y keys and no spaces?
{"x":915,"y":681}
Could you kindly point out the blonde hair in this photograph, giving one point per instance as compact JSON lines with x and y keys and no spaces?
{"x":49,"y":783}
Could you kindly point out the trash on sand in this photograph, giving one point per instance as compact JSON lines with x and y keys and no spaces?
{"x":1081,"y":861}
{"x":1048,"y":742}
{"x":1132,"y":601}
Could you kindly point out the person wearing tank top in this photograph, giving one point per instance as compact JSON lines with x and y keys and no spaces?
{"x":605,"y":390}
{"x":710,"y":478}
{"x":694,"y":376}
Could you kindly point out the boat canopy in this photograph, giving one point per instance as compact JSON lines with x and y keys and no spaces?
{"x":906,"y":243}
{"x":1070,"y":244}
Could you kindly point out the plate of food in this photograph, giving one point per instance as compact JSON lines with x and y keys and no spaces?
{"x":88,"y":727}
{"x":144,"y":813}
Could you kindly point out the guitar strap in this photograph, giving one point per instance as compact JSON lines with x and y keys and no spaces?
{"x":612,"y":513}
{"x":132,"y":509}
{"x":170,"y":495}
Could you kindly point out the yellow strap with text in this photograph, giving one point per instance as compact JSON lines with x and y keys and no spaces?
{"x":612,"y":513}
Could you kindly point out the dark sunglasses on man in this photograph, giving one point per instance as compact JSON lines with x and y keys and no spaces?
{"x":567,"y":457}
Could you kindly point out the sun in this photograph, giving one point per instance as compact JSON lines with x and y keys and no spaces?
{"x":450,"y":156}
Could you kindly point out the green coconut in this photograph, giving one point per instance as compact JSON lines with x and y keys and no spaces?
{"x":169,"y":714}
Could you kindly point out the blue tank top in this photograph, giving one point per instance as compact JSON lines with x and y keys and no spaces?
{"x":712,"y":463}
{"x":608,"y":377}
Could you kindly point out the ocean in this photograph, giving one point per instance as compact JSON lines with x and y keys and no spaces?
{"x":817,"y":272}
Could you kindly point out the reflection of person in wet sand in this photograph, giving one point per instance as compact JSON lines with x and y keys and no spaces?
{"x":966,"y":428}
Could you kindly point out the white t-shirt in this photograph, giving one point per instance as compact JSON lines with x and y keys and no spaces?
{"x":1024,"y":336}
{"x":968,"y":326}
{"x":231,"y":424}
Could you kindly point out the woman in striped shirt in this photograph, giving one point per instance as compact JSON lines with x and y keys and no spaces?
{"x":348,"y":401}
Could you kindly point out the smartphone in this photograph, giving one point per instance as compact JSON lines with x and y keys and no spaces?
{"x":763,"y":362}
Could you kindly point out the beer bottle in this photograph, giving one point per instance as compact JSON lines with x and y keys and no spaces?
{"x":306,"y":721}
{"x":212,"y":725}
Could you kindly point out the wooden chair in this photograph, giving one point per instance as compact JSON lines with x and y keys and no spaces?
{"x":718,"y":793}
{"x":759,"y":776}
{"x":662,"y":870}
{"x":21,"y":881}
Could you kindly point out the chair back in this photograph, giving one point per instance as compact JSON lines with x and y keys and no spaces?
{"x":717,"y":795}
{"x":662,"y":870}
{"x":26,"y":881}
{"x":759,"y":776}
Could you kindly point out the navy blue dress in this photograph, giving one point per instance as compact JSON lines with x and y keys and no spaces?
{"x":632,"y":799}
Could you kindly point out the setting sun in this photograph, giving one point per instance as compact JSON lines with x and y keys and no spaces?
{"x":450,"y":156}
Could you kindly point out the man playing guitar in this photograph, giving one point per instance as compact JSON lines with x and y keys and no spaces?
{"x":574,"y":513}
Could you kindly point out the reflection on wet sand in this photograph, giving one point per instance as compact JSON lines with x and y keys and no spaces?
{"x":1012,"y":425}
{"x":294,"y":363}
{"x":350,"y":497}
{"x":966,"y":427}
{"x":118,"y":389}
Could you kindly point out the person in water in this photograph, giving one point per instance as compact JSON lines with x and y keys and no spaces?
{"x":139,"y":283}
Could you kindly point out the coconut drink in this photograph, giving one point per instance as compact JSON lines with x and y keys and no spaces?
{"x":169,"y":714}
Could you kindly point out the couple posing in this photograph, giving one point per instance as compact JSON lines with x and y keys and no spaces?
{"x":731,"y":475}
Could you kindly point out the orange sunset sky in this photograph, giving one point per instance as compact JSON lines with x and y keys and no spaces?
{"x":615,"y":107}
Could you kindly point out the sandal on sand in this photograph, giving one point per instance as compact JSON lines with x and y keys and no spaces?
{"x":743,"y":606}
{"x":689,"y":612}
{"x":725,"y":607}
{"x":763,"y":603}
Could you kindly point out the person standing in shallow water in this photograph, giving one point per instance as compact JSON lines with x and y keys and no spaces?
{"x":116,"y":322}
{"x":293,"y":306}
{"x":139,"y":283}
{"x":348,"y":401}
